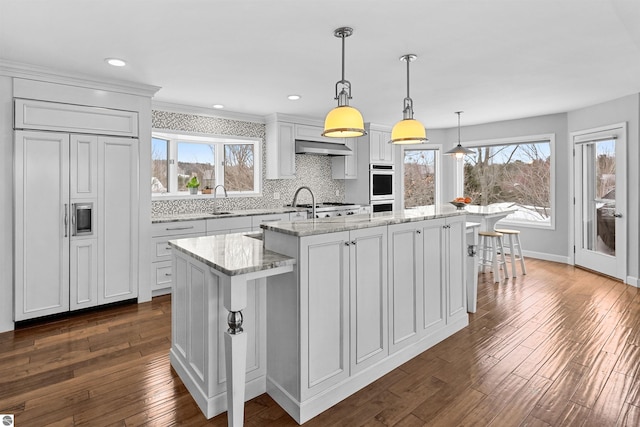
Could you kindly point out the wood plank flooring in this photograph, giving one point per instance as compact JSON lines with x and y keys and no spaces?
{"x":560,"y":346}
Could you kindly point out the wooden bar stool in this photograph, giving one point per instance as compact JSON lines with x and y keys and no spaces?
{"x":491,"y":247}
{"x":515,"y":250}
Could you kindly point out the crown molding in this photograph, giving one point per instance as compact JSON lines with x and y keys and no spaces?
{"x":203,"y":111}
{"x":35,"y":72}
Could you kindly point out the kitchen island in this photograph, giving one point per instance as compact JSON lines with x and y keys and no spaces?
{"x":366,"y":294}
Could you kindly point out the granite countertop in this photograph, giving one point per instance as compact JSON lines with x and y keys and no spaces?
{"x":227,"y":214}
{"x":232,"y":254}
{"x":354,"y":222}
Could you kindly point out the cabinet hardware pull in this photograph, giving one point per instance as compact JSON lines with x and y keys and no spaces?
{"x":617,"y":215}
{"x":179,"y":228}
{"x":353,"y":242}
{"x":168,"y":248}
{"x":418,"y":231}
{"x":167,"y":274}
{"x":347,"y":243}
{"x":66,"y":220}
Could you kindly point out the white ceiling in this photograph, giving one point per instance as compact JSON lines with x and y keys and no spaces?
{"x":494,"y":59}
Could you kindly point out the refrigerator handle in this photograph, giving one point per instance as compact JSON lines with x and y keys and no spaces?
{"x":66,"y":220}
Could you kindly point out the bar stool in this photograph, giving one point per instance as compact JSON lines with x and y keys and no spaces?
{"x":491,"y":247}
{"x":515,"y":250}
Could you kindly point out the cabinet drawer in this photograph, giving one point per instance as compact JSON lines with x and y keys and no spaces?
{"x":218,"y":225}
{"x":178,"y":227}
{"x":161,"y":251}
{"x":161,"y":275}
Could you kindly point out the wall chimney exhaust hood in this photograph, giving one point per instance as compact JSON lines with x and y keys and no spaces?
{"x":322,"y":148}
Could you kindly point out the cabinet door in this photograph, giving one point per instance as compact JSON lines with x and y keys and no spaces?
{"x":84,"y":166}
{"x":117,"y":219}
{"x":346,"y":167}
{"x":368,"y":288}
{"x":405,"y":284}
{"x":455,"y":268}
{"x":42,"y":227}
{"x":324,"y":311}
{"x":83,"y":273}
{"x":376,"y":151}
{"x":281,"y":152}
{"x":434,"y":280}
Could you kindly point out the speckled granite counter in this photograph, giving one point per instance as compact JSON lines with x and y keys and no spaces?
{"x":354,"y":222}
{"x":227,"y":214}
{"x":231,"y":254}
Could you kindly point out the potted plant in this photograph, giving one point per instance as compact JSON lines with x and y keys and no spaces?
{"x":193,"y":185}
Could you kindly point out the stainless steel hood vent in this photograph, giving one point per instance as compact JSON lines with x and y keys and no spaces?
{"x":322,"y":148}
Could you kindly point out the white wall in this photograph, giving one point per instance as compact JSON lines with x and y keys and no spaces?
{"x":626,"y":109}
{"x":6,"y":204}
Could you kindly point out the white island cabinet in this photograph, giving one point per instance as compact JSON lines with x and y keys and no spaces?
{"x":334,"y":324}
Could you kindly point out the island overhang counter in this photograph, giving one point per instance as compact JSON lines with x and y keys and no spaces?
{"x":359,"y":296}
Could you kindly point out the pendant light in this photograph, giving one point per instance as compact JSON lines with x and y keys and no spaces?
{"x":408,"y":130}
{"x":343,"y":121}
{"x":459,"y":151}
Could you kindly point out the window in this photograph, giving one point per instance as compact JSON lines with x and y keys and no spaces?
{"x":420,"y":170}
{"x":518,"y":173}
{"x":230,"y":162}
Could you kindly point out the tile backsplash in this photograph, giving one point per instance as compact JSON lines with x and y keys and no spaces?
{"x":312,"y":171}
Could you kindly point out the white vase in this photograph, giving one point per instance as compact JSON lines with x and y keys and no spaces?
{"x":193,"y":190}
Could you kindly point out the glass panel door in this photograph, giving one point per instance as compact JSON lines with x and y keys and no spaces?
{"x":600,"y":201}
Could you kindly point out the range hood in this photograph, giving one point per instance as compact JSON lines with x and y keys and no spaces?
{"x":322,"y":148}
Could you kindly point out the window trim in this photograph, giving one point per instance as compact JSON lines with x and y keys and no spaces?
{"x":525,"y":139}
{"x":438,"y":164}
{"x":219,"y":141}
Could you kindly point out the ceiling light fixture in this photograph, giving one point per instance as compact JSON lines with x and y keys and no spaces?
{"x":115,"y":62}
{"x":343,"y":121}
{"x":293,"y":97}
{"x":459,"y":151}
{"x":408,"y":130}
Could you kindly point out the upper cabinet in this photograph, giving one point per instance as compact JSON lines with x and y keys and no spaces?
{"x":381,"y":151}
{"x":281,"y":150}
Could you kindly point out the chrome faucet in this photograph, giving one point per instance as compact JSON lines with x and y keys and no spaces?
{"x":313,"y":200}
{"x":216,"y":187}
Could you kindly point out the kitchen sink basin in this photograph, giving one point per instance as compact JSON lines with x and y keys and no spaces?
{"x":221,"y":213}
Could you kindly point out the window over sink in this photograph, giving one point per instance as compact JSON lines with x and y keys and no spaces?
{"x":215,"y":160}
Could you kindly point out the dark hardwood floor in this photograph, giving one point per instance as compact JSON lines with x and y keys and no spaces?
{"x":560,"y":346}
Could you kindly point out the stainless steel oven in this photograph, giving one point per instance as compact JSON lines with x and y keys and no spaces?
{"x":381,"y":182}
{"x":82,"y":219}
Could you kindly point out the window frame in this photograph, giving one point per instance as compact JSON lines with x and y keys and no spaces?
{"x":526,"y":139}
{"x":218,"y":141}
{"x":438,"y":165}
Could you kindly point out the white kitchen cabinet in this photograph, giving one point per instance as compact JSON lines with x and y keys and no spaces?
{"x":257,"y":220}
{"x":41,"y":215}
{"x":380,"y":150}
{"x":346,"y":167}
{"x":344,"y":322}
{"x":84,"y":166}
{"x":161,"y":233}
{"x":426,"y":278}
{"x":117,"y":214}
{"x":281,"y":150}
{"x":83,"y":273}
{"x":306,"y":132}
{"x":234,"y":224}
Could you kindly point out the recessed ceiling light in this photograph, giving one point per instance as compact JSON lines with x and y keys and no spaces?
{"x":218,"y":106}
{"x":115,"y":62}
{"x":293,"y":97}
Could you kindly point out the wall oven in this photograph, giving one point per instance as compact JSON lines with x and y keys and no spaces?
{"x":381,"y":182}
{"x":382,"y":206}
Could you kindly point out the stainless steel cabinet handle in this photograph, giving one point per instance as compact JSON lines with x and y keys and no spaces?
{"x":418,"y":231}
{"x":66,"y":220}
{"x":617,"y":215}
{"x":353,"y":242}
{"x":347,"y":243}
{"x":179,"y":228}
{"x":167,"y":274}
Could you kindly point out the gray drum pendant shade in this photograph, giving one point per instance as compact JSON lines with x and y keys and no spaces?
{"x":459,"y":151}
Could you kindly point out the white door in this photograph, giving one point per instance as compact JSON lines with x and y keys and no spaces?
{"x":42,"y":226}
{"x":600,"y":187}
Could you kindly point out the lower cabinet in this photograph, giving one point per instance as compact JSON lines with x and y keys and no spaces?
{"x":426,"y":278}
{"x":83,"y":273}
{"x":343,"y":286}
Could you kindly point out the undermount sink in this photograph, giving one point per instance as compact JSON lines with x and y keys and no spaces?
{"x":221,"y":213}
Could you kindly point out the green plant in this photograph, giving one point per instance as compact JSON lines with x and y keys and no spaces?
{"x":193,"y":182}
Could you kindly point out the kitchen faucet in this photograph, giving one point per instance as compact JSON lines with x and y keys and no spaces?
{"x":313,"y":200}
{"x":216,"y":187}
